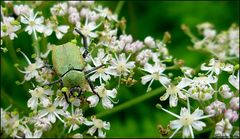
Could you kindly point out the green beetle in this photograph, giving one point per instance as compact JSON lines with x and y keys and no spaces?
{"x":69,"y":64}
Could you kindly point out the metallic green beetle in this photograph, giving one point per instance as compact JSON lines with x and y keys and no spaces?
{"x":69,"y":64}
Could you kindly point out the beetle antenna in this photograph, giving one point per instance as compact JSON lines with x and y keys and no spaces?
{"x":84,"y":42}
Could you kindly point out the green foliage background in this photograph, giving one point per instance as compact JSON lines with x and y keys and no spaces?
{"x":143,"y":19}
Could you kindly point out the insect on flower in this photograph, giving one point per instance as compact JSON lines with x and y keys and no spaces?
{"x":68,"y":63}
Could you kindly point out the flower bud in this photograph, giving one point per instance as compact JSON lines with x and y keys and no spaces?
{"x":223,"y":128}
{"x":225,"y":91}
{"x":216,"y":108}
{"x":231,"y":115}
{"x":234,"y":103}
{"x":149,"y":42}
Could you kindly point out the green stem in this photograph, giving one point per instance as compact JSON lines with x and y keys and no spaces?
{"x":119,"y":7}
{"x":36,"y":46}
{"x":132,"y":102}
{"x":9,"y":45}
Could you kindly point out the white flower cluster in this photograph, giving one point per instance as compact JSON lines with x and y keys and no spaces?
{"x":204,"y":87}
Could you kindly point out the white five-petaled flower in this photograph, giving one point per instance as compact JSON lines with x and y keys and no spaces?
{"x":103,"y":72}
{"x":175,"y":91}
{"x":9,"y":26}
{"x":120,"y":66}
{"x":105,"y":95}
{"x":156,"y":73}
{"x":234,"y":80}
{"x":187,"y":121}
{"x":34,"y":23}
{"x":74,"y":119}
{"x":97,"y":124}
{"x":59,"y":30}
{"x":215,"y":66}
{"x":39,"y":95}
{"x":51,"y":111}
{"x":31,"y":70}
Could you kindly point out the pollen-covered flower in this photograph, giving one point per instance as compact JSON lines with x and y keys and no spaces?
{"x":105,"y":95}
{"x":173,"y":92}
{"x":34,"y":24}
{"x":97,"y":124}
{"x":39,"y":96}
{"x":155,"y":73}
{"x":187,"y":121}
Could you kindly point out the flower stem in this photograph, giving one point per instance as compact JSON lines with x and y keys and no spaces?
{"x":132,"y":102}
{"x":119,"y":7}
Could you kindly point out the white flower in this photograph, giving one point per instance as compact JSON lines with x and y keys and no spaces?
{"x":103,"y":72}
{"x":187,"y":121}
{"x":223,"y":128}
{"x":36,"y":134}
{"x":31,"y":70}
{"x":105,"y":95}
{"x":39,"y":95}
{"x":88,"y":29}
{"x":34,"y":23}
{"x":51,"y":112}
{"x":59,"y":30}
{"x":9,"y":26}
{"x":156,"y":73}
{"x":176,"y":91}
{"x":42,"y":123}
{"x":215,"y":66}
{"x":97,"y":124}
{"x":21,"y":9}
{"x":74,"y":119}
{"x":106,"y":13}
{"x":59,"y":9}
{"x":120,"y":66}
{"x":234,"y":80}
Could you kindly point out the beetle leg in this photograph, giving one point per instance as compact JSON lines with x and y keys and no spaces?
{"x":87,"y":72}
{"x":56,"y":81}
{"x":84,"y":42}
{"x":70,"y":70}
{"x":92,"y":87}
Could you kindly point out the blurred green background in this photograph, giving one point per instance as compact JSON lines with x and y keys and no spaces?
{"x":143,"y":19}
